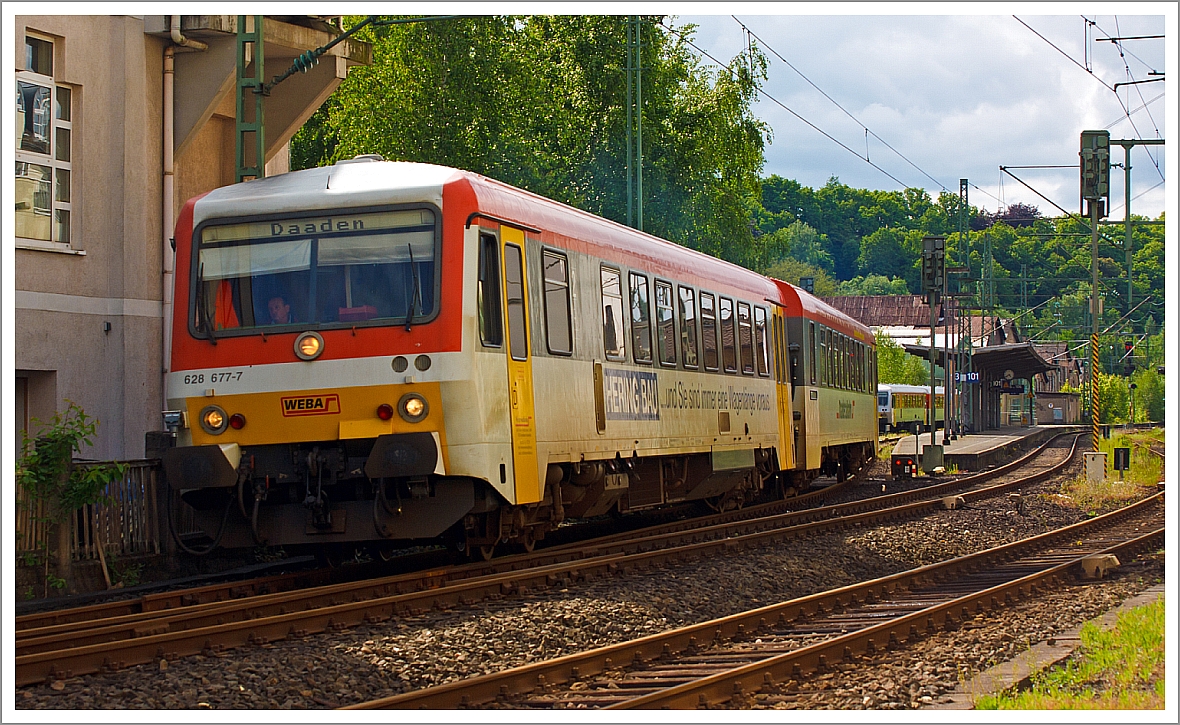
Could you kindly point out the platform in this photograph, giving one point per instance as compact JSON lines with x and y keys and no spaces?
{"x":978,"y":451}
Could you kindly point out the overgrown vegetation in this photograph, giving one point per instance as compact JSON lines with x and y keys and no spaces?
{"x":1117,"y":669}
{"x":54,"y":488}
{"x":1096,"y":497}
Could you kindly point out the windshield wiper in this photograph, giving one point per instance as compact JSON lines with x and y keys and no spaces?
{"x":415,"y":298}
{"x":203,"y":307}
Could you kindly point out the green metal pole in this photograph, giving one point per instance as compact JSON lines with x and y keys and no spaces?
{"x":639,"y":123}
{"x":630,"y":118}
{"x":249,"y":98}
{"x":1127,"y":206}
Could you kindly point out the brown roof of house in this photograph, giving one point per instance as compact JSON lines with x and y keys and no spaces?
{"x":884,"y":310}
{"x":912,"y":311}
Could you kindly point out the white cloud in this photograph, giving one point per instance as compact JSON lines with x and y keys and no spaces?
{"x":959,"y":95}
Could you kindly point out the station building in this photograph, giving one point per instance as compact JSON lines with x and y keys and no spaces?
{"x":119,"y":120}
{"x":1013,"y":374}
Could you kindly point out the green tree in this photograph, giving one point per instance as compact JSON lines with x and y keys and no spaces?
{"x":1112,"y":398}
{"x":883,"y":253}
{"x":540,"y":102}
{"x":792,"y":270}
{"x":1149,"y":395}
{"x":798,"y":241}
{"x":898,"y":367}
{"x":874,"y":284}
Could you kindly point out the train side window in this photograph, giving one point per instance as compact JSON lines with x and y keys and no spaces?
{"x":862,"y":368}
{"x":491,"y":331}
{"x":612,"y":314}
{"x":762,"y":355}
{"x":823,"y":356}
{"x":811,"y":341}
{"x":844,"y":362}
{"x":831,"y":357}
{"x":776,"y":336}
{"x":558,"y":326}
{"x":857,"y":371}
{"x":665,"y":324}
{"x":518,"y":343}
{"x":838,"y":346}
{"x":745,"y":338}
{"x":688,"y":327}
{"x":709,"y":330}
{"x":728,"y":337}
{"x":640,"y":319}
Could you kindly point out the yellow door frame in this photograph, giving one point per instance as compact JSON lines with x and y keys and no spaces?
{"x":786,"y":423}
{"x":525,"y":473}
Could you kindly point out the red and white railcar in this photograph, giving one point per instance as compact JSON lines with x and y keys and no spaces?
{"x":393,"y":351}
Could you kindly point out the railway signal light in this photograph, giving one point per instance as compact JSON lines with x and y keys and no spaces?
{"x":933,"y":267}
{"x":1095,"y":168}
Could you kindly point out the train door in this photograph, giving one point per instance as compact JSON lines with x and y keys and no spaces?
{"x":520,"y":372}
{"x":783,"y":368}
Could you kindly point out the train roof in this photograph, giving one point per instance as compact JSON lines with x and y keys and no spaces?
{"x":570,"y":228}
{"x":371,"y":181}
{"x":899,"y":388}
{"x":801,"y":303}
{"x":364,"y":182}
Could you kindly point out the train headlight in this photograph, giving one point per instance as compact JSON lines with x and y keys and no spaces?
{"x":309,"y":345}
{"x":412,"y":407}
{"x":214,"y":420}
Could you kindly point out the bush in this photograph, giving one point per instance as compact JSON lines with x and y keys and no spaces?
{"x":54,"y":488}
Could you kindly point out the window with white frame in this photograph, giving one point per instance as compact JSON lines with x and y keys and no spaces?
{"x":44,"y":149}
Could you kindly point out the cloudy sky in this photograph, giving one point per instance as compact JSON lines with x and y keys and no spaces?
{"x":958,"y":95}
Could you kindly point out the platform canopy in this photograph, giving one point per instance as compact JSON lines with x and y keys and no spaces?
{"x":994,"y":361}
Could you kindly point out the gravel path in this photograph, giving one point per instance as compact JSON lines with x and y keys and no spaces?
{"x":364,"y":663}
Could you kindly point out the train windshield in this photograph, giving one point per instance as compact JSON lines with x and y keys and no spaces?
{"x":883,"y":400}
{"x":346,"y":270}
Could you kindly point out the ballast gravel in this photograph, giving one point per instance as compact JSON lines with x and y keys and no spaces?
{"x":373,"y":661}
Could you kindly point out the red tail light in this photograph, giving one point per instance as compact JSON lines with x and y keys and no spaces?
{"x":385,"y":411}
{"x":237,"y":421}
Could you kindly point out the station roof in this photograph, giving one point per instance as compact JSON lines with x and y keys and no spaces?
{"x":1020,"y":357}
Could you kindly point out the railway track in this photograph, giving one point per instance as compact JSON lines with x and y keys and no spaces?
{"x":173,"y":598}
{"x":73,"y":647}
{"x":775,"y":647}
{"x":176,"y":598}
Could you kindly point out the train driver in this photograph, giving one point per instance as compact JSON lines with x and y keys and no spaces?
{"x":280,"y":311}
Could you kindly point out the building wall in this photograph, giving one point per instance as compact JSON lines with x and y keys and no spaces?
{"x":89,"y":318}
{"x":63,"y":299}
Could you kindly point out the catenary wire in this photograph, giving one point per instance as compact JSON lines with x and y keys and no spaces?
{"x":867,"y":130}
{"x":785,"y":107}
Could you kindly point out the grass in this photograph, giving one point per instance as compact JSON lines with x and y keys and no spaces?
{"x":1117,"y":669}
{"x":1146,"y":470}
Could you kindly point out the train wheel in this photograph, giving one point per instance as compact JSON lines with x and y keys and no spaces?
{"x":527,"y":542}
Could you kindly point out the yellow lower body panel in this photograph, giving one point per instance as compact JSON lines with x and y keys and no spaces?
{"x":315,"y":415}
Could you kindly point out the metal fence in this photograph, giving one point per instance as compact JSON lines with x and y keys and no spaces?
{"x":127,"y":524}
